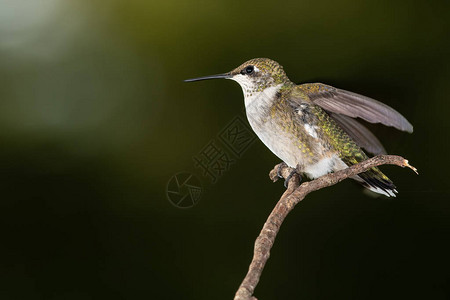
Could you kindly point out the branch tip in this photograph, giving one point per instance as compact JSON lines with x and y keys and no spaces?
{"x":406,"y":162}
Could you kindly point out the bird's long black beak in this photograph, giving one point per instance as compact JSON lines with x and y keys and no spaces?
{"x":218,"y":76}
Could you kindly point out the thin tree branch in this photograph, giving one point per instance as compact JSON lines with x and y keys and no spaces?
{"x":293,"y":195}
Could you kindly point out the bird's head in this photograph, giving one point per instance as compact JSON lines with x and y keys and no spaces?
{"x":254,"y":75}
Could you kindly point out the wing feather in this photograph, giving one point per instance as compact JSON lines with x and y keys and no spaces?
{"x":354,"y":105}
{"x":360,"y":134}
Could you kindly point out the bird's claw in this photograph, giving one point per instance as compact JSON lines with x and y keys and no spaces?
{"x":280,"y":167}
{"x":277,"y":173}
{"x":286,"y":182}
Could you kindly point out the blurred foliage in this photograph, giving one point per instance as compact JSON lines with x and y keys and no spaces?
{"x":95,"y":119}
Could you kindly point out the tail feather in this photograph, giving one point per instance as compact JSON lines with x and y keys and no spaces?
{"x":377,"y":182}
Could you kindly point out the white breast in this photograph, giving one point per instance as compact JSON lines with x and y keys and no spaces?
{"x":257,"y":101}
{"x":257,"y":106}
{"x":283,"y":144}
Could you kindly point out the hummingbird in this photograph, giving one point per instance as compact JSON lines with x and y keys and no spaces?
{"x":312,"y":127}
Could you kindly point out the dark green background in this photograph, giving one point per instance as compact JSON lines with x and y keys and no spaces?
{"x":95,"y":119}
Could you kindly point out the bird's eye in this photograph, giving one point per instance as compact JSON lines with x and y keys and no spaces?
{"x":249,"y":70}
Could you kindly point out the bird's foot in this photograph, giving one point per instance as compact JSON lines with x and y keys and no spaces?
{"x":293,"y":172}
{"x":276,"y":172}
{"x":283,"y":168}
{"x":280,"y":167}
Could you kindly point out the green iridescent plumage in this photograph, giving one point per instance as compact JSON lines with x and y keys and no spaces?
{"x":332,"y":136}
